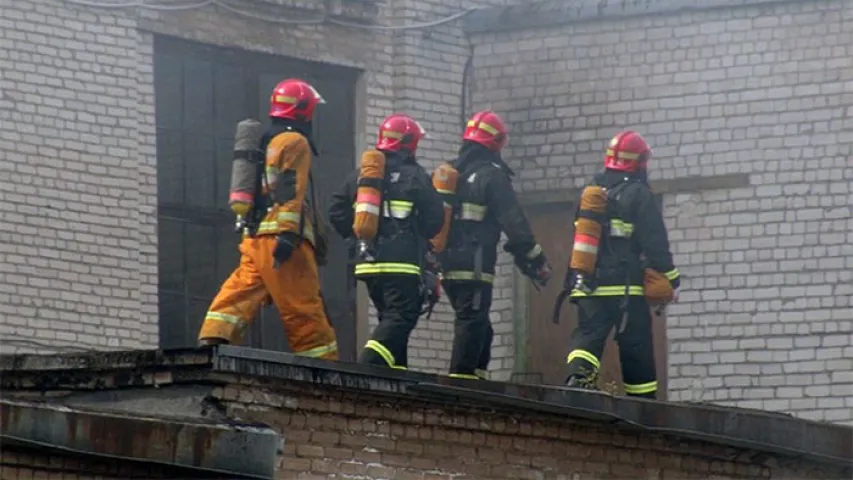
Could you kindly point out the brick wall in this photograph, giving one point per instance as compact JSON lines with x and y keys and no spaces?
{"x":18,"y":464}
{"x":73,"y":276}
{"x":78,"y":219}
{"x":77,"y":235}
{"x":76,"y":222}
{"x":351,"y":435}
{"x":765,"y":318}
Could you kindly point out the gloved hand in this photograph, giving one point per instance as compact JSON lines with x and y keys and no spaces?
{"x":285,"y":244}
{"x":543,"y":274}
{"x":537,"y":269}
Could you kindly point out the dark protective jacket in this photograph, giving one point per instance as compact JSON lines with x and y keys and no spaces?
{"x":486,"y":205}
{"x":412,"y":213}
{"x":633,"y":237}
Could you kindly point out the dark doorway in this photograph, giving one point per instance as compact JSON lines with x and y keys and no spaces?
{"x":201,"y":92}
{"x":547,"y":344}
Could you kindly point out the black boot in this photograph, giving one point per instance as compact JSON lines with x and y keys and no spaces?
{"x":577,"y":381}
{"x":650,"y":395}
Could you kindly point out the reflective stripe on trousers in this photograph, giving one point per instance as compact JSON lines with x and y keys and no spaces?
{"x":479,"y":374}
{"x":610,"y":291}
{"x":383,"y":352}
{"x":641,"y":389}
{"x":467,"y":275}
{"x":387,"y":268}
{"x":579,"y":354}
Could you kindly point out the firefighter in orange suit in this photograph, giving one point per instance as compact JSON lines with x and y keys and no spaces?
{"x":278,"y":261}
{"x":621,"y":231}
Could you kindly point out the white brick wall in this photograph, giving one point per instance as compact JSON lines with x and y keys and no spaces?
{"x":765,"y":318}
{"x":78,"y":158}
{"x":428,"y":86}
{"x":76,"y":231}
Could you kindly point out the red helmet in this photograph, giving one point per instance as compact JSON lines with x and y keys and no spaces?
{"x":294,"y":99}
{"x":627,"y":152}
{"x":399,"y":132}
{"x":488,"y":129}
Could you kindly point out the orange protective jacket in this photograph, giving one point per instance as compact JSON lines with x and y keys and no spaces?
{"x":288,"y":163}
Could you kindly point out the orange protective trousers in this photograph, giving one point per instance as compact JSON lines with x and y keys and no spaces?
{"x":295,"y":291}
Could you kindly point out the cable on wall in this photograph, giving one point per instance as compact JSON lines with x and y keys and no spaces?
{"x":178,"y":6}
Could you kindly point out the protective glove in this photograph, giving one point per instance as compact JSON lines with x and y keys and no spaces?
{"x":537,"y":270}
{"x":543,"y":274}
{"x":285,"y":244}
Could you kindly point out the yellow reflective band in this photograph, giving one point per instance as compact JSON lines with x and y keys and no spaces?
{"x":318,"y":351}
{"x":584,"y":355}
{"x":392,"y":134}
{"x":465,"y":376}
{"x":484,"y":127}
{"x":383,"y":352}
{"x":672,"y":274}
{"x":610,"y":291}
{"x":641,"y":388}
{"x":399,"y":209}
{"x":284,"y":216}
{"x":473,"y":212}
{"x":285,"y":99}
{"x":224,"y":317}
{"x":273,"y":228}
{"x":444,"y":192}
{"x":387,"y":268}
{"x":621,"y":228}
{"x":483,"y":374}
{"x":466,"y":275}
{"x":622,"y":155}
{"x":534,"y":252}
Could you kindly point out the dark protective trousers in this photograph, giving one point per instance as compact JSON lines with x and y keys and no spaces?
{"x":596,"y":317}
{"x":398,"y":301}
{"x":472,"y":339}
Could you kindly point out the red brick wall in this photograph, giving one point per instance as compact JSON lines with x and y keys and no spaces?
{"x":40,"y":464}
{"x":328,"y":433}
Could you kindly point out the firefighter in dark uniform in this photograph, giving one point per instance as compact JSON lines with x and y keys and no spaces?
{"x":485,"y":206}
{"x":409,"y":212}
{"x":633,"y":261}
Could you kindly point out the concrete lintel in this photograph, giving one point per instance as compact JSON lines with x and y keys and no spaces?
{"x":666,"y":186}
{"x":242,"y":451}
{"x":550,"y":13}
